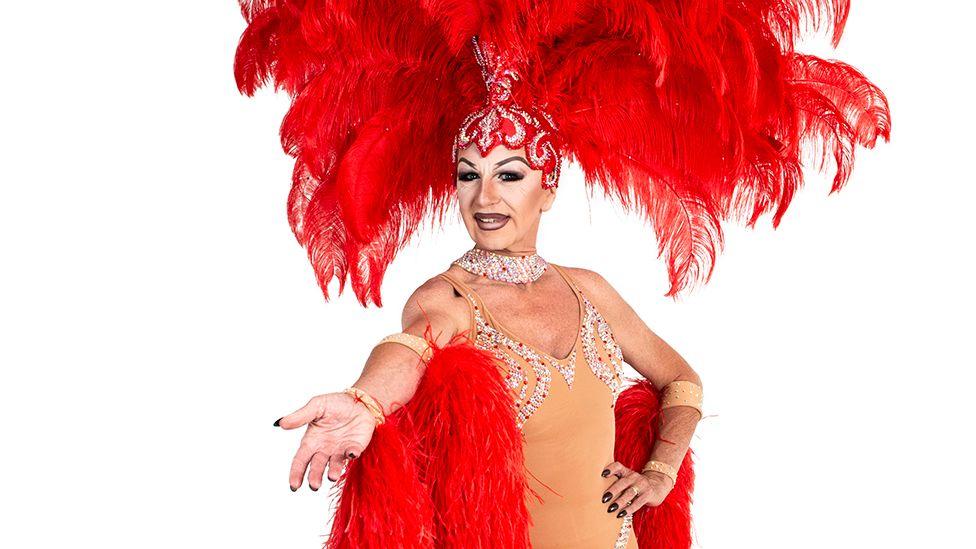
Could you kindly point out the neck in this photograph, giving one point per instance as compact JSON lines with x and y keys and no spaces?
{"x":509,"y":252}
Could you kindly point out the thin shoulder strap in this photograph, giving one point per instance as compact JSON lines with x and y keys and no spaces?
{"x":569,"y":280}
{"x":461,"y":287}
{"x":473,"y":299}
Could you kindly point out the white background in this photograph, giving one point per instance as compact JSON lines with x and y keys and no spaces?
{"x":158,"y":315}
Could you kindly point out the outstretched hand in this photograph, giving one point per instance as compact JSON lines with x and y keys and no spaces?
{"x":339,"y":429}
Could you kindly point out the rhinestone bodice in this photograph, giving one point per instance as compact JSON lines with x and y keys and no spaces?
{"x":565,"y":410}
{"x":604,"y":358}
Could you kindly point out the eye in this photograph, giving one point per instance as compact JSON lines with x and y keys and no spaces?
{"x":467,"y":176}
{"x":510,"y":176}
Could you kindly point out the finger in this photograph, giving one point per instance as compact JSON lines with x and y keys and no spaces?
{"x":614,"y":468}
{"x":317,"y":469}
{"x":298,"y":466}
{"x":336,"y":462}
{"x":631,"y":500}
{"x":635,"y":505}
{"x":352,"y":450}
{"x":304,"y":415}
{"x":617,"y":471}
{"x":617,"y":488}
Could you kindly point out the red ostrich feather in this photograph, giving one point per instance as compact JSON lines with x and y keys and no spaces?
{"x":690,"y":113}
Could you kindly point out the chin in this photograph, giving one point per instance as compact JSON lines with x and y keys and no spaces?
{"x":487,"y":240}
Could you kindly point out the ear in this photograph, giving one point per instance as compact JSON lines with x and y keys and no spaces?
{"x":550,"y":198}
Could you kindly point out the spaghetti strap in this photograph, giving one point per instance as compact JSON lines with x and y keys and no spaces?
{"x":569,"y":280}
{"x":472,"y":298}
{"x":461,"y":287}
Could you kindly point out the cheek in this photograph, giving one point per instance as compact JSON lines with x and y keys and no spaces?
{"x":526,"y":198}
{"x":464,"y":200}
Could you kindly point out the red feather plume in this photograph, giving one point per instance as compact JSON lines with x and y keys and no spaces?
{"x":688,"y":112}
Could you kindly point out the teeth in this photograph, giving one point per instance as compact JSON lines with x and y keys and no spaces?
{"x":490,"y":219}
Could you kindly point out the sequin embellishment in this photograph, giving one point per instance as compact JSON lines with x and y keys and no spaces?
{"x":613,"y":373}
{"x":624,"y":535}
{"x":493,"y":340}
{"x":568,"y":370}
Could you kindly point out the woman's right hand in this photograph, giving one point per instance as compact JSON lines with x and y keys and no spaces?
{"x":339,"y":428}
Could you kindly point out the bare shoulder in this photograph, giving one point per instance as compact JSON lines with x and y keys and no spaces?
{"x":593,"y":285}
{"x":436,"y":302}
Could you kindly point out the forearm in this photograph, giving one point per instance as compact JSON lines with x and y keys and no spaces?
{"x":391,"y":375}
{"x":676,"y":428}
{"x":393,"y":371}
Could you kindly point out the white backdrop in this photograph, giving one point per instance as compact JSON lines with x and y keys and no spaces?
{"x":158,"y":316}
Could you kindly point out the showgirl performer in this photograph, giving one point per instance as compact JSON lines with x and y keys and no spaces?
{"x":500,"y":415}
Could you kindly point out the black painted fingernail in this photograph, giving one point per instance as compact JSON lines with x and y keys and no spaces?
{"x":278,"y":422}
{"x":293,"y":489}
{"x":607,"y":496}
{"x":314,"y":489}
{"x":622,"y":513}
{"x":613,"y":507}
{"x":605,"y":472}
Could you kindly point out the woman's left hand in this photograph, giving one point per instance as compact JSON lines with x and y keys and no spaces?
{"x":633,"y":490}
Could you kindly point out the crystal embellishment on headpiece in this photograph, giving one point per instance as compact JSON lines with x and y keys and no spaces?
{"x":505,"y":268}
{"x":502,"y":121}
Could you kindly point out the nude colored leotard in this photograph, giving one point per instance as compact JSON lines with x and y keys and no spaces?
{"x":566,"y":415}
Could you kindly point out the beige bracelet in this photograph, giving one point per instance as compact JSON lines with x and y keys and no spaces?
{"x":418,"y":344}
{"x":374,"y":407}
{"x":682,"y":393}
{"x":662,"y":467}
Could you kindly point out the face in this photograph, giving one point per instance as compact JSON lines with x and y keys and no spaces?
{"x":501,"y":198}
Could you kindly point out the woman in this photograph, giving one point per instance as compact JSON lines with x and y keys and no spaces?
{"x":506,"y":381}
{"x":586,"y":495}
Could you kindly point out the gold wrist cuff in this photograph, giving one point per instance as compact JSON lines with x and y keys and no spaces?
{"x":682,"y":393}
{"x":374,"y":407}
{"x":662,"y":467}
{"x":418,"y":344}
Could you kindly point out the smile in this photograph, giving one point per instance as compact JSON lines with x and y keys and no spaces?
{"x":490,"y":222}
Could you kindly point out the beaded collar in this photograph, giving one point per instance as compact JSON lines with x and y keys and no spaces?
{"x":517,"y":269}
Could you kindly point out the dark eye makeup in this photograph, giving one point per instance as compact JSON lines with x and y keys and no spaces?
{"x":505,"y":176}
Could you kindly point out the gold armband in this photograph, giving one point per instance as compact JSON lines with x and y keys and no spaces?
{"x":682,"y":393}
{"x":374,"y":407}
{"x":662,"y":467}
{"x":418,"y":344}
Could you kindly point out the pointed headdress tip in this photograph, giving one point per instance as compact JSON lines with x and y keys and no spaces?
{"x":502,"y":121}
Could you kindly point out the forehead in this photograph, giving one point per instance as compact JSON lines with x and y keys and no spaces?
{"x":498,"y":153}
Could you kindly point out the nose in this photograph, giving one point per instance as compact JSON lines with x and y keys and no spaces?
{"x":487,"y":192}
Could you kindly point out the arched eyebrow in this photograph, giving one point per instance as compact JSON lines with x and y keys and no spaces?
{"x":509,"y":159}
{"x":499,"y":163}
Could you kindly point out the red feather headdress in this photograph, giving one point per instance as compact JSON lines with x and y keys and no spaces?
{"x":689,"y":112}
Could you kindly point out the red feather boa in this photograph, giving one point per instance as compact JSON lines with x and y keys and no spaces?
{"x":446,"y":470}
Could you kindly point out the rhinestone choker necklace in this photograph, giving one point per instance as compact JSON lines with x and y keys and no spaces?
{"x":506,"y":268}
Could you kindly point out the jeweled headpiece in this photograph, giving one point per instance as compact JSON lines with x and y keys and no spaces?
{"x":501,"y":121}
{"x":689,"y":114}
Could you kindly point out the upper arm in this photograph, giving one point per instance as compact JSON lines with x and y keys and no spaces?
{"x":434,"y":303}
{"x":643,"y":349}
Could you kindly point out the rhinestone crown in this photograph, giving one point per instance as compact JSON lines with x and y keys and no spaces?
{"x":502,"y":121}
